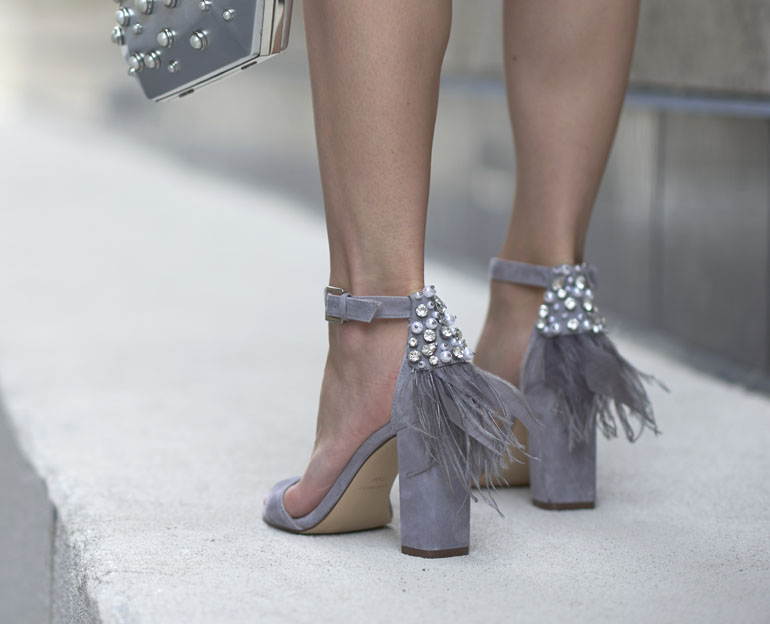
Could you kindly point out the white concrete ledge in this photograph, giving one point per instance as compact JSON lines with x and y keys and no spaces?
{"x":161,"y":343}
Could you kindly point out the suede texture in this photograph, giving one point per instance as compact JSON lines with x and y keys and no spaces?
{"x":434,"y":514}
{"x":562,"y":474}
{"x":347,"y":307}
{"x":529,"y":274}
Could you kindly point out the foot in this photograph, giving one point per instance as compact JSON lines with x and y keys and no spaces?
{"x":501,"y":348}
{"x":356,"y":396}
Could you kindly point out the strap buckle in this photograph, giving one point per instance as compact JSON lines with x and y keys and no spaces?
{"x":332,"y":290}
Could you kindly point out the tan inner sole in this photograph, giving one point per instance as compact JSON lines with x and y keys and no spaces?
{"x":515,"y":474}
{"x":365,"y":504}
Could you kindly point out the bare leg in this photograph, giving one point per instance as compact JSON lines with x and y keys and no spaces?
{"x":566,"y":67}
{"x":374,"y":69}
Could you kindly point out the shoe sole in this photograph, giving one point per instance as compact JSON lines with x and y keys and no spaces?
{"x":435,"y":554}
{"x":563,"y":506}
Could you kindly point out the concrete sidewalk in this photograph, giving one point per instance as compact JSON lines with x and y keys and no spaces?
{"x":161,"y":344}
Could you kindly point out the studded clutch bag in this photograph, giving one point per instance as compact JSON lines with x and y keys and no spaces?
{"x":175,"y":47}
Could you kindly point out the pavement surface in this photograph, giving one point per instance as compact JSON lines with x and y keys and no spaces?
{"x":161,"y":345}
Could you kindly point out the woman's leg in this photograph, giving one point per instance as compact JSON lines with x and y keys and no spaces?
{"x":566,"y":66}
{"x":374,"y":69}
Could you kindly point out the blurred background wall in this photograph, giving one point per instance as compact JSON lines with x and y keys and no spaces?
{"x":682,"y":223}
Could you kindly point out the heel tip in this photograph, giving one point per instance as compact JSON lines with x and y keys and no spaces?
{"x":563,"y":506}
{"x":435,"y":554}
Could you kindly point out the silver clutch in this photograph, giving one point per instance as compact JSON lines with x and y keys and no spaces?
{"x":174,"y":47}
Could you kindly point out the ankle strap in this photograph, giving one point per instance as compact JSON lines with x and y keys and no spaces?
{"x":531,"y":274}
{"x":341,"y":306}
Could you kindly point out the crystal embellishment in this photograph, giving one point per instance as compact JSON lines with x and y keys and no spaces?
{"x":434,"y":341}
{"x":568,"y":306}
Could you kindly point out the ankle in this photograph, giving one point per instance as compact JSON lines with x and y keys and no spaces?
{"x":541,"y":254}
{"x":376,"y":282}
{"x":513,"y":305}
{"x":510,"y":319}
{"x":366,"y":349}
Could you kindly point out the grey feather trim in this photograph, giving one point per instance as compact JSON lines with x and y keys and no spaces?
{"x":466,"y":416}
{"x":592,"y":380}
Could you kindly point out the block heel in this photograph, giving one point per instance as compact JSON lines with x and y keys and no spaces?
{"x":435,"y":513}
{"x":564,"y":477}
{"x":575,"y":381}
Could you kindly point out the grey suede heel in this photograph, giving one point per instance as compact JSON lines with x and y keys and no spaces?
{"x":451,"y":422}
{"x":564,"y":477}
{"x":435,"y":511}
{"x":574,"y":380}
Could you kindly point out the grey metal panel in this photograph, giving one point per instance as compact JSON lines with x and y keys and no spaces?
{"x":228,"y":41}
{"x":715,"y":234}
{"x":700,"y":45}
{"x":715,"y":45}
{"x":620,"y":239}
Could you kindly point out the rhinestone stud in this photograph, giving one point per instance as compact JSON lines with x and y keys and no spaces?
{"x":421,"y":310}
{"x":429,"y":335}
{"x":414,"y":356}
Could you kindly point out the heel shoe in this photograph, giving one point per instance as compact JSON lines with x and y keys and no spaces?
{"x":573,"y":379}
{"x":450,"y":422}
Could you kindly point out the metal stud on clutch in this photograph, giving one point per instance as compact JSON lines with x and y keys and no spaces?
{"x":197,"y":42}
